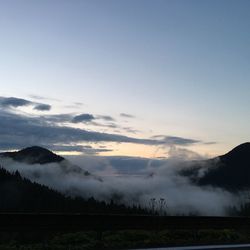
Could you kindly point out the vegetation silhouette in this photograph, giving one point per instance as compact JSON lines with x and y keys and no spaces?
{"x":18,"y":195}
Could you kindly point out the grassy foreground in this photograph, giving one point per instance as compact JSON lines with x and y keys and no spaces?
{"x":121,"y":239}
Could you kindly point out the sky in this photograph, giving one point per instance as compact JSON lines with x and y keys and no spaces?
{"x":133,"y":77}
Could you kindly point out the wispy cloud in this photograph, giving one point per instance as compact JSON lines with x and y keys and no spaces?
{"x":174,"y":140}
{"x":84,"y":149}
{"x":106,"y":118}
{"x":38,"y":97}
{"x":127,"y":115}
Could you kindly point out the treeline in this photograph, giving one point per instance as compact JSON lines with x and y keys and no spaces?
{"x":20,"y":195}
{"x":244,"y":209}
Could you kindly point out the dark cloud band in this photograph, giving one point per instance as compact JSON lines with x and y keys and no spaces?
{"x":14,"y":102}
{"x":126,"y":115}
{"x":21,"y":131}
{"x":42,"y":107}
{"x":83,"y":118}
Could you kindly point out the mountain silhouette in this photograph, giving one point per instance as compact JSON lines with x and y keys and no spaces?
{"x":239,"y":155}
{"x":40,"y":155}
{"x":230,"y":171}
{"x":34,"y":155}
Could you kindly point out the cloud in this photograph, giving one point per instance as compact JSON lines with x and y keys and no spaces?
{"x":126,"y":115}
{"x":83,"y":118}
{"x":79,"y":104}
{"x":130,"y":130}
{"x":210,"y":143}
{"x":18,"y":131}
{"x":175,"y":140}
{"x":58,"y":118}
{"x":89,"y":118}
{"x":106,"y":118}
{"x":38,"y":97}
{"x":84,"y":149}
{"x":75,"y":105}
{"x":68,"y":118}
{"x":13,"y":102}
{"x":42,"y":107}
{"x":104,"y":121}
{"x":109,"y":125}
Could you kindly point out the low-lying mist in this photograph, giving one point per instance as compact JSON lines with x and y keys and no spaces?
{"x":156,"y":181}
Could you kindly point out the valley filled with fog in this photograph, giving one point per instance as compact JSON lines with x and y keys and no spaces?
{"x":151,"y":183}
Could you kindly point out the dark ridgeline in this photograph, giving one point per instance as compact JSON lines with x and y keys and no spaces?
{"x":230,"y":171}
{"x":33,"y":155}
{"x":40,"y":155}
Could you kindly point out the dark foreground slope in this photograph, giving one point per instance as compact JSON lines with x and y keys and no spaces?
{"x":18,"y":194}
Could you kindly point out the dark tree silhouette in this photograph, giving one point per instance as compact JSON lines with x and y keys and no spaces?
{"x":18,"y":194}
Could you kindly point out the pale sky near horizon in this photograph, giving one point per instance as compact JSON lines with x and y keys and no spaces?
{"x":180,"y":67}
